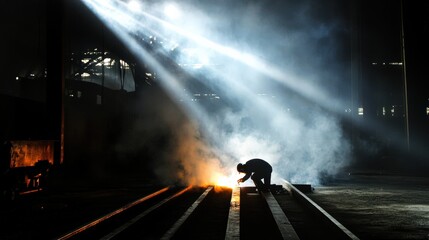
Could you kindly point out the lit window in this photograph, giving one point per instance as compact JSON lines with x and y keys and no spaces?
{"x":85,"y":60}
{"x":124,"y":65}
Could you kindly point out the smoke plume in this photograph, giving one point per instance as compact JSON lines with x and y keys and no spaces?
{"x":264,"y":79}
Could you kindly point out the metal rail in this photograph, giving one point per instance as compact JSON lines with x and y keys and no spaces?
{"x":233,"y":226}
{"x":107,"y":216}
{"x":315,"y":206}
{"x":169,"y":234}
{"x":141,"y":215}
{"x":232,"y":232}
{"x":285,"y":227}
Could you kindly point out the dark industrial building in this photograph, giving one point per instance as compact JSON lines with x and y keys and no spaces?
{"x":80,"y":105}
{"x":67,"y":78}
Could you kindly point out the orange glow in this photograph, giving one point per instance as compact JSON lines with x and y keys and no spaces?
{"x":27,"y":153}
{"x":226,"y":181}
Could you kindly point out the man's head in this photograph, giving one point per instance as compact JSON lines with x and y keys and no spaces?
{"x":240,"y":167}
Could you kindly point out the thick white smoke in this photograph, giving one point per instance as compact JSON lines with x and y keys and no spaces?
{"x":276,"y":67}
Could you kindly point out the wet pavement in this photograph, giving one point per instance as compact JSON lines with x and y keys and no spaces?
{"x":378,"y":206}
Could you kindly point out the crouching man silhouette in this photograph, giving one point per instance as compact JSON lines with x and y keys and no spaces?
{"x":257,"y":169}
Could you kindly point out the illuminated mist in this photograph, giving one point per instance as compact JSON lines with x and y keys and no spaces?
{"x":274,"y":72}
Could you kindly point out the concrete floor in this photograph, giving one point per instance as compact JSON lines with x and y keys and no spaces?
{"x":371,"y":206}
{"x":378,"y":206}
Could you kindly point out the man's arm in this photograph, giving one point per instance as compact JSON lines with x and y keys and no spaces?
{"x":247,"y":176}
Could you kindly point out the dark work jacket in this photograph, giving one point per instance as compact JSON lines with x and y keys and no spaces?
{"x":256,"y":166}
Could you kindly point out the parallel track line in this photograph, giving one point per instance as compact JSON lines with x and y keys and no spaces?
{"x":294,"y":190}
{"x":233,"y":226}
{"x":107,"y":216}
{"x":169,"y":234}
{"x":141,"y":215}
{"x":283,"y":224}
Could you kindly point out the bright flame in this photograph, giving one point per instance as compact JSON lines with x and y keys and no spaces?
{"x":226,"y":181}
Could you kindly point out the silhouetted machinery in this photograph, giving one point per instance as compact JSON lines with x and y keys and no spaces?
{"x":25,"y":167}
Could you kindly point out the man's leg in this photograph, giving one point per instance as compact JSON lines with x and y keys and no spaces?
{"x":267,"y":181}
{"x":257,"y":180}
